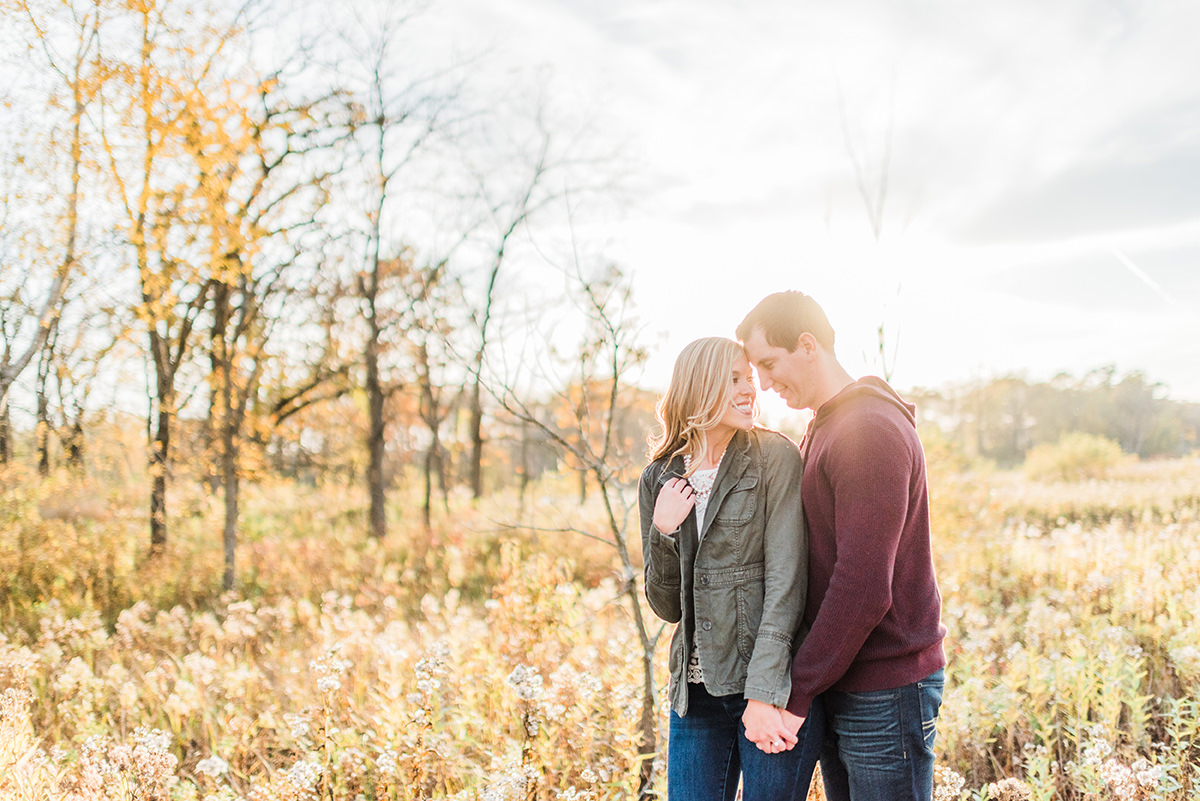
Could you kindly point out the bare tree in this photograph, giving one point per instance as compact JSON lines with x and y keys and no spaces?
{"x":528,"y":174}
{"x":872,"y":183}
{"x":74,"y":72}
{"x":507,"y":215}
{"x":597,"y":394}
{"x":430,"y":331}
{"x":399,"y":117}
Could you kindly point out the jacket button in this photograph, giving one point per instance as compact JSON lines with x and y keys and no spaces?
{"x":708,"y":625}
{"x":704,"y":579}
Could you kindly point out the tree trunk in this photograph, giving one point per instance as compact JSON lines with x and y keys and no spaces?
{"x":74,"y":445}
{"x":427,"y":499}
{"x":230,"y":482}
{"x":42,"y":427}
{"x":5,"y":432}
{"x":475,"y":434}
{"x":375,"y":440}
{"x":159,"y":453}
{"x":523,"y":467}
{"x":219,"y":370}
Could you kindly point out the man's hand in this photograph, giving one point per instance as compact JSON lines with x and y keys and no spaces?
{"x":765,"y":727}
{"x":791,"y":722}
{"x":673,"y":504}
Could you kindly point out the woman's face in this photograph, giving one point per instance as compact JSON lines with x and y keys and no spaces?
{"x":739,"y":414}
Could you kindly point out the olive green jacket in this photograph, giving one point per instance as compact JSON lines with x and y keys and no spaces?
{"x":740,"y":589}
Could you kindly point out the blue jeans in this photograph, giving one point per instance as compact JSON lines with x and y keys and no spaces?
{"x":879,"y":745}
{"x":708,"y":749}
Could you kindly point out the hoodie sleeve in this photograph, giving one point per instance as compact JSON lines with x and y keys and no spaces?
{"x":867,"y":474}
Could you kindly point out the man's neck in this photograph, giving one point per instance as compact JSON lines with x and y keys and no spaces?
{"x":833,"y":380}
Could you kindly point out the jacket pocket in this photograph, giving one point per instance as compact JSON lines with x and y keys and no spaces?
{"x":738,"y":507}
{"x":749,"y":615}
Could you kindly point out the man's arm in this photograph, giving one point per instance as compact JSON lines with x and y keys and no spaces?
{"x":868,"y":472}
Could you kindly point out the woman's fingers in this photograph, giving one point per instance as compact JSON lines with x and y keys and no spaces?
{"x":681,"y":486}
{"x":675,"y":501}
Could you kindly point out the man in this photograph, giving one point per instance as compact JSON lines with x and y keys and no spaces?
{"x":874,"y":653}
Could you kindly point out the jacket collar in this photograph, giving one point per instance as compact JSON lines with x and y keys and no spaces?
{"x":733,"y":465}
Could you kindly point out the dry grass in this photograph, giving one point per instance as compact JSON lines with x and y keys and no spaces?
{"x":483,"y":661}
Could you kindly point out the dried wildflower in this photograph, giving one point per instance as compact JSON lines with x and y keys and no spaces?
{"x":151,"y":762}
{"x":298,"y":725}
{"x":305,"y":774}
{"x":213,"y":767}
{"x":1186,"y":661}
{"x":1097,"y":748}
{"x":526,"y":681}
{"x":386,"y":763}
{"x":1009,"y":790}
{"x":947,"y":784}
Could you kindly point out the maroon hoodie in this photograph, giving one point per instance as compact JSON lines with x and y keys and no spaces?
{"x":873,"y":600}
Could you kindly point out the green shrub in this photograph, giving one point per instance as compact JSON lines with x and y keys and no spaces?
{"x":1074,"y":457}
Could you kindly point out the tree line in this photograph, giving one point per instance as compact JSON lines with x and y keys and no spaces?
{"x":1002,"y":419}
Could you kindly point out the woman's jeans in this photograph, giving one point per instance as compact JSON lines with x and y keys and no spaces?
{"x":879,"y":745}
{"x":708,"y":749}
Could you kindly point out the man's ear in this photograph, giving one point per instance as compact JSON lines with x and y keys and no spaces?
{"x":807,"y":344}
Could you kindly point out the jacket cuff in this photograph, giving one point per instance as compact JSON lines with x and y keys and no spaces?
{"x":769,"y":675}
{"x":664,"y":542}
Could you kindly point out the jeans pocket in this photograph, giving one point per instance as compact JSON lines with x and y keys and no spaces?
{"x":929,"y":694}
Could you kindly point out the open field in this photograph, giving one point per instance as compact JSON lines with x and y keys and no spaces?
{"x":489,"y":660}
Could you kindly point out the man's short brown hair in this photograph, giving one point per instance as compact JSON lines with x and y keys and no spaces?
{"x":783,"y":317}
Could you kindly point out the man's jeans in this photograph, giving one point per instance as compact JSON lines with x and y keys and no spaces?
{"x":879,"y":745}
{"x":708,"y":749}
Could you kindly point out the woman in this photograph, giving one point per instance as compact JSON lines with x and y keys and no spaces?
{"x":726,"y":552}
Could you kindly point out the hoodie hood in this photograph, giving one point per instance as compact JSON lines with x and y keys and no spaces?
{"x":862,"y":389}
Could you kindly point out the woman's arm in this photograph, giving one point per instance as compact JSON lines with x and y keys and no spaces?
{"x":660,"y":553}
{"x":785,"y":581}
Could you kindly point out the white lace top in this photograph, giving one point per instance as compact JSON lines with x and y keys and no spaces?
{"x":702,"y":482}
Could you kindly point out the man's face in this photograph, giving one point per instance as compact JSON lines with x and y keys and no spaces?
{"x":789,"y":373}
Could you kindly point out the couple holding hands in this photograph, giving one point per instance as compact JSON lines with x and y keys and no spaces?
{"x":801,"y":577}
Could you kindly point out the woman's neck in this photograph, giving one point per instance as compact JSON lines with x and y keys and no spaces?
{"x":714,"y":447}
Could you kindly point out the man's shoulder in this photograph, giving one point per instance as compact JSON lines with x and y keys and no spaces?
{"x":870,"y":409}
{"x":867,"y":426}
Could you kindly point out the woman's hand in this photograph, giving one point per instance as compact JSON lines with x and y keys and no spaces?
{"x":675,"y":500}
{"x":765,"y":728}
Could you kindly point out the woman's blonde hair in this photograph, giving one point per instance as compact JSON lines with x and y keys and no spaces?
{"x":695,"y":400}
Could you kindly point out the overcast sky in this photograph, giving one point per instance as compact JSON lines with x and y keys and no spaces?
{"x":1042,"y":204}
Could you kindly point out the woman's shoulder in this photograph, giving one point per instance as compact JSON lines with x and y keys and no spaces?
{"x":775,"y":441}
{"x":776,"y":450}
{"x":652,"y":471}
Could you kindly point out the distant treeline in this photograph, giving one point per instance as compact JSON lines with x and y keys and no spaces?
{"x":1004,"y":418}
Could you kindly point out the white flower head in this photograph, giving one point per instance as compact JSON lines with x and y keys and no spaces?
{"x":527,"y":682}
{"x":214,"y":766}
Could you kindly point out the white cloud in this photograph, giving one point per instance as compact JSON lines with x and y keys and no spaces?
{"x":732,"y":114}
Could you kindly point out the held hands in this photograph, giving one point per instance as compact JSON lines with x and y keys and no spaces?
{"x":791,"y":722}
{"x":767,"y":729}
{"x":673,"y":504}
